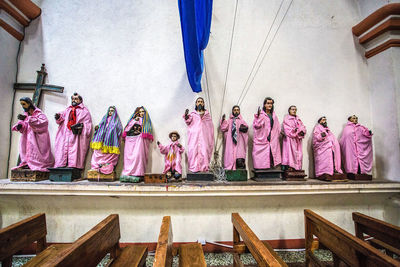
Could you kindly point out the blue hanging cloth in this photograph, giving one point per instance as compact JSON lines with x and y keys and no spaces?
{"x":195,"y":23}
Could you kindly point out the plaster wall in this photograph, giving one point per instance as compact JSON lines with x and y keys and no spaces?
{"x":270,"y":217}
{"x":129,"y":53}
{"x":8,"y":68}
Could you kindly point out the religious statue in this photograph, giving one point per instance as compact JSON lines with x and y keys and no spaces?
{"x":356,"y":147}
{"x":293,"y":134}
{"x":266,"y":147}
{"x":105,"y":142}
{"x":34,"y":145}
{"x":235,"y":132}
{"x":138,"y":134}
{"x":326,"y":150}
{"x":73,"y":134}
{"x":173,"y":156}
{"x":200,"y":131}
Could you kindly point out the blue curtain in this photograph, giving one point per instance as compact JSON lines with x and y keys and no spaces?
{"x":195,"y":23}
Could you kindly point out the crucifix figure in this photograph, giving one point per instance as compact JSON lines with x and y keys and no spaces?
{"x":39,"y":86}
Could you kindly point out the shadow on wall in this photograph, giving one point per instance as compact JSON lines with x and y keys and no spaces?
{"x":310,"y":151}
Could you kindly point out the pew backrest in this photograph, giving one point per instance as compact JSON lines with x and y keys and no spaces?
{"x":22,"y":234}
{"x":163,"y":255}
{"x":263,"y":253}
{"x":344,"y":246}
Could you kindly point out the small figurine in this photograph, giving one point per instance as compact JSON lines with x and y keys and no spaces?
{"x":266,"y":147}
{"x":293,"y":135}
{"x":34,"y":145}
{"x":73,"y":134}
{"x":200,"y":142}
{"x":173,"y":156}
{"x":138,"y":134}
{"x":105,"y":142}
{"x":356,"y":147}
{"x":326,"y":150}
{"x":235,"y":131}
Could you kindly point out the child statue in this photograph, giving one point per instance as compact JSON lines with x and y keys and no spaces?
{"x":173,"y":157}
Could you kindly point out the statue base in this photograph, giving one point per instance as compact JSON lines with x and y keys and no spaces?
{"x":27,"y":175}
{"x":200,"y":176}
{"x":262,"y":175}
{"x":359,"y":177}
{"x":296,"y":175}
{"x":95,"y":176}
{"x":130,"y":179}
{"x":236,"y":175}
{"x":155,"y":178}
{"x":64,"y":174}
{"x":336,"y":177}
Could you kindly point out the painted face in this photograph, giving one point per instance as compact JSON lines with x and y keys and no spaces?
{"x":268,"y":105}
{"x":236,"y":111}
{"x":24,"y":105}
{"x":293,"y":111}
{"x":75,"y":100}
{"x":141,"y":113}
{"x":354,"y":119}
{"x":324,"y":122}
{"x":199,"y":104}
{"x":137,"y":129}
{"x":174,"y":137}
{"x":111,"y":111}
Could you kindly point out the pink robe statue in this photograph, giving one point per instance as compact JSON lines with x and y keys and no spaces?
{"x":292,"y":147}
{"x":71,"y":149}
{"x":326,"y":151}
{"x":356,"y":145}
{"x":262,"y":148}
{"x":34,"y":145}
{"x":173,"y":156}
{"x":200,"y":142}
{"x":234,"y":151}
{"x":136,"y":152}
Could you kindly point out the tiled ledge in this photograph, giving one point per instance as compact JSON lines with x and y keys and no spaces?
{"x":250,"y":188}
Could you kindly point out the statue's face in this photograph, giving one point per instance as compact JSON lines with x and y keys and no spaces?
{"x":236,"y":111}
{"x":141,"y":112}
{"x":174,"y":137}
{"x":293,"y":111}
{"x":24,"y":105}
{"x":199,"y":101}
{"x":324,"y":122}
{"x":75,"y":100}
{"x":137,"y":129}
{"x":354,"y":119}
{"x":268,"y":105}
{"x":111,"y":111}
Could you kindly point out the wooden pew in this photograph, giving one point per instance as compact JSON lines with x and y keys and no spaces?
{"x":263,"y":253}
{"x":344,"y":246}
{"x":163,"y":256}
{"x":91,"y":248}
{"x":383,"y":235}
{"x":191,"y":255}
{"x":20,"y":235}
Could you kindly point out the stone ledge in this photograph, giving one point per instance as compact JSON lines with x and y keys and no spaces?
{"x":250,"y":188}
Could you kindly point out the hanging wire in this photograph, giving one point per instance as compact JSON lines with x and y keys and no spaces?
{"x":259,"y":53}
{"x":273,"y":38}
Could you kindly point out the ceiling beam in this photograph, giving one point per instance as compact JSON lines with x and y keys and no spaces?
{"x":27,"y":7}
{"x":14,"y":13}
{"x":11,"y":30}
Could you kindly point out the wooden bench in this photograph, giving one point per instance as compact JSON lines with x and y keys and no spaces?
{"x":344,"y":246}
{"x":20,"y":235}
{"x":163,"y":256}
{"x":191,"y":255}
{"x":263,"y":253}
{"x":382,"y":235}
{"x":91,"y":248}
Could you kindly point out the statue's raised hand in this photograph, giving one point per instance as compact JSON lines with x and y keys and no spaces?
{"x":19,"y":126}
{"x":96,"y":128}
{"x":56,"y":116}
{"x":223,"y":117}
{"x":21,"y":117}
{"x":258,"y":112}
{"x":186,"y":114}
{"x":179,"y":145}
{"x":158,"y":143}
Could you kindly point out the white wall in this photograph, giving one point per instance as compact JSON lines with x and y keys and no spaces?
{"x":8,"y":68}
{"x":129,"y":53}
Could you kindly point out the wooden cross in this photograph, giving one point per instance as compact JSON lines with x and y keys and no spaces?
{"x":39,"y":86}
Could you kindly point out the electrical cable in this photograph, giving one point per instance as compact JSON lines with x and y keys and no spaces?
{"x":273,"y":38}
{"x":12,"y":103}
{"x":259,"y":53}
